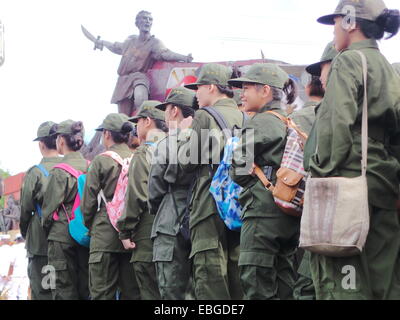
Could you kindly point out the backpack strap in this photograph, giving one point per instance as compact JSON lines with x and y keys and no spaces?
{"x":43,"y":170}
{"x":66,"y":167}
{"x":219,"y":118}
{"x":113,"y":155}
{"x":245,"y":118}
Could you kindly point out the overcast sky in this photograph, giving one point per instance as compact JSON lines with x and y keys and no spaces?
{"x":51,"y":71}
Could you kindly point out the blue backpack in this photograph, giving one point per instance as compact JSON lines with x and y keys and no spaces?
{"x":46,"y":174}
{"x":76,"y":224}
{"x":223,"y":189}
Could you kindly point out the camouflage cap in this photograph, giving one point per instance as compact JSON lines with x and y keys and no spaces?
{"x":148,"y":110}
{"x":181,"y":97}
{"x":212,"y":73}
{"x":396,"y":67}
{"x":113,"y":122}
{"x":358,"y":9}
{"x":263,"y":73}
{"x":329,"y":54}
{"x":65,"y":127}
{"x":44,"y":130}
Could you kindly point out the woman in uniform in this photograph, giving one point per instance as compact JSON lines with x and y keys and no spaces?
{"x":68,"y":258}
{"x":334,"y":147}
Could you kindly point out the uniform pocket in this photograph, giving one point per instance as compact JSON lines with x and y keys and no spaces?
{"x":59,"y":265}
{"x":95,"y":257}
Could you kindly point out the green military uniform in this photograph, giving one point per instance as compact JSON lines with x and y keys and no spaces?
{"x":336,"y":135}
{"x":109,"y":263}
{"x":33,"y":188}
{"x":69,"y":259}
{"x":305,"y":118}
{"x":269,"y":237}
{"x":396,"y":67}
{"x":136,"y":222}
{"x":215,"y":248}
{"x":168,"y":193}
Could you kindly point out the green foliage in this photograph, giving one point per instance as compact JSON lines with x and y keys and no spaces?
{"x":3,"y":174}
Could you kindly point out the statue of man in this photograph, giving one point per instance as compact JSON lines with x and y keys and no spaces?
{"x":11,"y":215}
{"x":138,"y":55}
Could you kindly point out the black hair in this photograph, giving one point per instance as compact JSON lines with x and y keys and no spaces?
{"x":387,"y":22}
{"x":123,"y":135}
{"x":75,"y":139}
{"x":316,"y":88}
{"x":290,"y":90}
{"x":161,"y":125}
{"x":227,"y":90}
{"x":50,"y":141}
{"x":186,"y":111}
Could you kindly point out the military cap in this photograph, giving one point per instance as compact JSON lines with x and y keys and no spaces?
{"x":263,"y":73}
{"x":329,"y":54}
{"x":181,"y":97}
{"x":396,"y":67}
{"x":65,"y":127}
{"x":363,"y":9}
{"x":148,"y":109}
{"x":113,"y":122}
{"x":44,"y":130}
{"x":212,"y":73}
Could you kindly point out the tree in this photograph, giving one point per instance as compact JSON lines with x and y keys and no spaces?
{"x":3,"y":175}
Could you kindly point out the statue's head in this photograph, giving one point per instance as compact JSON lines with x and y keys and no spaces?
{"x":144,"y":21}
{"x":10,"y":201}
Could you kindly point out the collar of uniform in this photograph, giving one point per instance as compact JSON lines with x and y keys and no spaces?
{"x":273,"y":105}
{"x":119,"y":147}
{"x":226,"y":102}
{"x":73,"y":155}
{"x":310,"y":103}
{"x":50,"y":159}
{"x":156,"y":137}
{"x":369,"y":43}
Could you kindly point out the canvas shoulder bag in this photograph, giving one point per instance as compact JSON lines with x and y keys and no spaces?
{"x":335,"y":219}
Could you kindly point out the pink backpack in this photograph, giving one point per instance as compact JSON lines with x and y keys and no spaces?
{"x":116,"y":205}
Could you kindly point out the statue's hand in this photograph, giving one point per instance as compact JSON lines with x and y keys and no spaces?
{"x":189,"y":58}
{"x":99,"y":44}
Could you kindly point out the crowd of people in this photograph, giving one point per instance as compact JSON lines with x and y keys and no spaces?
{"x":169,"y":241}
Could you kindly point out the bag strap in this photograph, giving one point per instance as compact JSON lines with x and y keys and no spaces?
{"x":43,"y":170}
{"x":260,"y":174}
{"x":364,"y":127}
{"x":219,"y":118}
{"x":66,"y":167}
{"x":290,"y":124}
{"x":113,"y":155}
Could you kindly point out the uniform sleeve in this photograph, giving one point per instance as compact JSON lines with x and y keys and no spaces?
{"x":158,"y":187}
{"x":337,"y":115}
{"x":262,"y":142}
{"x":89,"y":203}
{"x":136,"y":196}
{"x":190,"y":144}
{"x":29,"y":190}
{"x":53,"y":197}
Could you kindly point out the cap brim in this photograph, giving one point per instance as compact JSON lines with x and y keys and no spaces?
{"x":134,"y":119}
{"x":314,"y":69}
{"x":238,"y":83}
{"x":37,"y":139}
{"x":162,"y":106}
{"x":99,"y":129}
{"x":192,"y":86}
{"x":328,"y":19}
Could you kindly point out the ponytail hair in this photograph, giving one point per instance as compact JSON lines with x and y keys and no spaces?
{"x":75,"y":139}
{"x":388,"y":22}
{"x":123,"y":135}
{"x":290,"y":90}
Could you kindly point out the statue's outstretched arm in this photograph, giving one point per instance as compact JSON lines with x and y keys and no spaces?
{"x":169,"y":55}
{"x":114,"y":47}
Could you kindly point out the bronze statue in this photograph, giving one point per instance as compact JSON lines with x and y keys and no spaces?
{"x":138,"y":56}
{"x":10,"y":216}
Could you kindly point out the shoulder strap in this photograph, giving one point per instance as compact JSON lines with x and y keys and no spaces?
{"x":260,"y":174}
{"x":43,"y":170}
{"x":245,"y":118}
{"x":66,"y":167}
{"x":290,"y":124}
{"x":219,"y":119}
{"x":364,"y":128}
{"x":113,"y":155}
